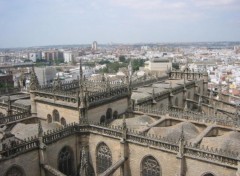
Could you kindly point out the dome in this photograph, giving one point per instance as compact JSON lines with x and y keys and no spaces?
{"x":174,"y":132}
{"x":230,"y":141}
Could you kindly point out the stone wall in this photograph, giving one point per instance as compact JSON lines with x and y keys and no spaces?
{"x":70,"y":115}
{"x":28,"y":162}
{"x":95,"y":114}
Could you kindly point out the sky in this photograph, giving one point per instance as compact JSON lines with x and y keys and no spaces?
{"x":25,"y":23}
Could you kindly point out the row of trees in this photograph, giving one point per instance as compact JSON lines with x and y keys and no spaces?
{"x":113,"y":67}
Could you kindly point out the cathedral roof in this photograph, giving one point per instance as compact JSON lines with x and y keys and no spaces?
{"x":22,"y":131}
{"x":135,"y":122}
{"x":190,"y":131}
{"x":229,"y":141}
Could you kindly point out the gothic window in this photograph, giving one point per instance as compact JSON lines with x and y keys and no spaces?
{"x":49,"y":118}
{"x":109,"y":114}
{"x":176,"y":101}
{"x":150,"y":167}
{"x":65,"y":161}
{"x":189,"y":95}
{"x":102,"y":119}
{"x":63,"y":121}
{"x":15,"y":171}
{"x":208,"y":174}
{"x":56,"y":115}
{"x":104,"y":158}
{"x":115,"y":115}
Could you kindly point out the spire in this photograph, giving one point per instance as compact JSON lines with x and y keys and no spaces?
{"x":81,"y":72}
{"x":40,"y":129}
{"x":130,"y":69}
{"x":84,"y":163}
{"x":34,"y":84}
{"x":181,"y":144}
{"x":57,"y":84}
{"x":124,"y":128}
{"x":9,"y":110}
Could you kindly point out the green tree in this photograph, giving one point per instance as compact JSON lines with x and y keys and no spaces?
{"x":122,"y":59}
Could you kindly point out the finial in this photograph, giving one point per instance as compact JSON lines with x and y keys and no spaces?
{"x":34,"y":84}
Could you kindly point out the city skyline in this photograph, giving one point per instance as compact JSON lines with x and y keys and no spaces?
{"x":28,"y":23}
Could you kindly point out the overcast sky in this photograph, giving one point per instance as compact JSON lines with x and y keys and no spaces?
{"x":46,"y":22}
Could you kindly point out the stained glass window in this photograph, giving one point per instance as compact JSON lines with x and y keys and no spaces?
{"x":65,"y":161}
{"x":104,"y":158}
{"x":15,"y":171}
{"x":150,"y":167}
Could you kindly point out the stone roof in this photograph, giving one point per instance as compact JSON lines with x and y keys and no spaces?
{"x":229,"y":141}
{"x":138,"y":122}
{"x":22,"y":131}
{"x":190,"y":131}
{"x":26,"y":102}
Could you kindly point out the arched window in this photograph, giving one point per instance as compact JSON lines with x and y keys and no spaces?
{"x":63,"y":121}
{"x":109,"y":114}
{"x":150,"y":167}
{"x":176,"y":101}
{"x":56,"y":116}
{"x":15,"y":171}
{"x":102,"y":119}
{"x":104,"y":158}
{"x":49,"y":118}
{"x":115,"y":115}
{"x":65,"y":161}
{"x":208,"y":174}
{"x":189,"y":95}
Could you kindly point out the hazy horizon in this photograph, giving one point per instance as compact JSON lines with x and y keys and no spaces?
{"x":28,"y":23}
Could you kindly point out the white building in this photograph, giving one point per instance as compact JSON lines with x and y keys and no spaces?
{"x":94,"y":46}
{"x":33,"y":56}
{"x":159,"y":64}
{"x":45,"y":74}
{"x":67,"y":55}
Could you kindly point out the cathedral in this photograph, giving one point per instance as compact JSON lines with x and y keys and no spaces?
{"x":156,"y":125}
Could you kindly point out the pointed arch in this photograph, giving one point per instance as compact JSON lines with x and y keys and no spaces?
{"x":150,"y":166}
{"x":104,"y":157}
{"x":49,"y":118}
{"x":103,"y":119}
{"x":15,"y":171}
{"x":208,"y":174}
{"x":115,"y":115}
{"x":63,"y":121}
{"x":56,"y":115}
{"x":109,"y":114}
{"x":66,"y":161}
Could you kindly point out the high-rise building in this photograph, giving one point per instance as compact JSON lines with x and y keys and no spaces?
{"x":94,"y":46}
